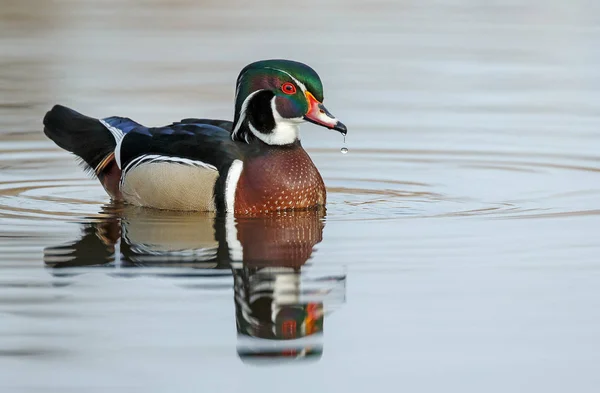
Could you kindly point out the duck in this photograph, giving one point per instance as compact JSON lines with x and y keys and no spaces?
{"x":252,"y":165}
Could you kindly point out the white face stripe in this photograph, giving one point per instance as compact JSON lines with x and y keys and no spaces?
{"x":245,"y":104}
{"x":233,"y":176}
{"x":282,"y":134}
{"x":300,"y":84}
{"x":286,"y":131}
{"x":243,"y":113}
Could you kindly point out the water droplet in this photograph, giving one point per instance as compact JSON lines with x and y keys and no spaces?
{"x":344,"y":150}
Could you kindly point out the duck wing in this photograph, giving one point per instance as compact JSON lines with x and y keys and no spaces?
{"x":202,"y":140}
{"x":224,"y":124}
{"x":171,"y":166}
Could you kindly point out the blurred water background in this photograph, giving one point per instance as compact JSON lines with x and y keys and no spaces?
{"x":459,"y":250}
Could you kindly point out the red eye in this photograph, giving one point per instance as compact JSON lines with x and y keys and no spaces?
{"x":288,"y":88}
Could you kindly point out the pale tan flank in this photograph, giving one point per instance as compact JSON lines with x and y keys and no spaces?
{"x":170,"y":186}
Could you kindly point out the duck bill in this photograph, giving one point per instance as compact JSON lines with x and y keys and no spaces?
{"x":318,"y":114}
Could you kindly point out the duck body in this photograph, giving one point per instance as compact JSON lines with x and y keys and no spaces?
{"x":253,"y":165}
{"x":195,"y":165}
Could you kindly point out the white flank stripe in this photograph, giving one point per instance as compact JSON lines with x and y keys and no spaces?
{"x":150,"y":158}
{"x":236,"y":250}
{"x":233,"y":176}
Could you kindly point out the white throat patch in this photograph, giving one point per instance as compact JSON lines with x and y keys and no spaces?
{"x":286,"y":131}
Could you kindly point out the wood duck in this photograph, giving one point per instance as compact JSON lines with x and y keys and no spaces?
{"x":255,"y":164}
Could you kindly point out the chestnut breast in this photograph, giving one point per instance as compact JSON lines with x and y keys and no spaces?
{"x":281,"y":178}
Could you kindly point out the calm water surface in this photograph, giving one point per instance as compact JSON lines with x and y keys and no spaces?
{"x":459,"y":249}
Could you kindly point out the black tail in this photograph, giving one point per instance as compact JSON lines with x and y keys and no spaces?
{"x":83,"y":136}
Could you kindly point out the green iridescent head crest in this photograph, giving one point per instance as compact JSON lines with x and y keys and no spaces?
{"x":271,"y":74}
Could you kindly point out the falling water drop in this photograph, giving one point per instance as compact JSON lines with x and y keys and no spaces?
{"x":344,"y":150}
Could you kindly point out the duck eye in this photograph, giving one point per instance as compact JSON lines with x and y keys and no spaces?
{"x":288,"y":88}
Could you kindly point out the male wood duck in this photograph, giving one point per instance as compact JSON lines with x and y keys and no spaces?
{"x":255,"y":164}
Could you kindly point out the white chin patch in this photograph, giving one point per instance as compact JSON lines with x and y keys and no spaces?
{"x":286,"y":131}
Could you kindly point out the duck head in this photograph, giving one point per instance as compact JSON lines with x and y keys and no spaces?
{"x":273,"y":97}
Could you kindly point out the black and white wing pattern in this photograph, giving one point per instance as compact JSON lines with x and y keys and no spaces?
{"x":179,"y":166}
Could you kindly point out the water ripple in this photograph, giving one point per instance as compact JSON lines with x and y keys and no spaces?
{"x":419,"y":190}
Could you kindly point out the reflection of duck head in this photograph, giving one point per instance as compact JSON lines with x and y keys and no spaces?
{"x":265,"y":254}
{"x":272,"y":306}
{"x":269,"y":297}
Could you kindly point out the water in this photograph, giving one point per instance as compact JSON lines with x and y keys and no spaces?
{"x":459,"y":249}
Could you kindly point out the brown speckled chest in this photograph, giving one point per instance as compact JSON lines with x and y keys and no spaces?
{"x":280,"y":179}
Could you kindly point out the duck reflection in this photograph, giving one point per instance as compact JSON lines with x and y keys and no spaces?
{"x":280,"y":307}
{"x":272,"y":298}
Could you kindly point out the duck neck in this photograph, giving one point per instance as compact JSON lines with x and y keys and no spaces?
{"x":258,"y":119}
